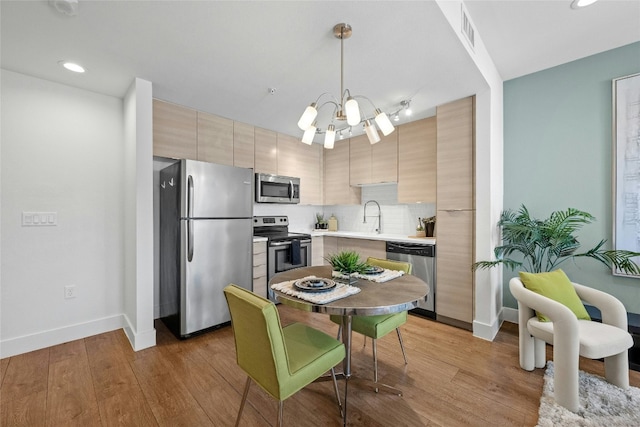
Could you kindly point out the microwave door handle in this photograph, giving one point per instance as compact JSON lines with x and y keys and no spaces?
{"x":189,"y":220}
{"x":290,"y":189}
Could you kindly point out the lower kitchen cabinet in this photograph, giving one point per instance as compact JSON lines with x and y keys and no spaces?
{"x":317,"y":250}
{"x":260,"y":268}
{"x":454,"y":295}
{"x":366,"y":248}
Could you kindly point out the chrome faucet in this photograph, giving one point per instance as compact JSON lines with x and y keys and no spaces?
{"x":364,"y":219}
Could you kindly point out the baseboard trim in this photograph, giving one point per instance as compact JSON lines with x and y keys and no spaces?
{"x":26,"y":343}
{"x":510,"y":314}
{"x":487,"y":331}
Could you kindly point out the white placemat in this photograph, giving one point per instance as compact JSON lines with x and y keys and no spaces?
{"x":340,"y":291}
{"x":385,"y":276}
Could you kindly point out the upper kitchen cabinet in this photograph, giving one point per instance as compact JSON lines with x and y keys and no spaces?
{"x":337,"y":190}
{"x":243,"y":145}
{"x":455,"y":155}
{"x":174,"y":131}
{"x":303,"y":161}
{"x":417,"y":161}
{"x":215,"y":139}
{"x":373,"y":164}
{"x":266,"y":151}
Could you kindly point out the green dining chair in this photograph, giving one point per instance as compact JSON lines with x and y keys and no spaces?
{"x":280,"y":360}
{"x":376,"y":327}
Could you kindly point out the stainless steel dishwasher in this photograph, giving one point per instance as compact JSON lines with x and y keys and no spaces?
{"x":423,"y":259}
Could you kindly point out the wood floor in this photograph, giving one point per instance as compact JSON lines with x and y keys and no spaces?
{"x":452,"y":379}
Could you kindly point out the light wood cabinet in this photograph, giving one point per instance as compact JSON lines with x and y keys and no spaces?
{"x":330,"y":246}
{"x":174,"y":131}
{"x":384,"y":159}
{"x":215,"y":139}
{"x":260,"y":268}
{"x":317,"y":250}
{"x":366,"y":248}
{"x":373,"y":164}
{"x":417,"y":161}
{"x":455,"y":213}
{"x":337,"y":190}
{"x":265,"y":151}
{"x":243,"y":145}
{"x":305,"y":162}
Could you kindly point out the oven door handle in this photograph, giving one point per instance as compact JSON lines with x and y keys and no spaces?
{"x":288,"y":243}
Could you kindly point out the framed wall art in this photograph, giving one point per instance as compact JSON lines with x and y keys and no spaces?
{"x":626,"y":165}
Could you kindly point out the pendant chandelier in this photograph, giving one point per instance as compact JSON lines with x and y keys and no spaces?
{"x":346,"y":109}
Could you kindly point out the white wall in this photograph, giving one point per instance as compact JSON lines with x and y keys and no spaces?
{"x":62,"y":151}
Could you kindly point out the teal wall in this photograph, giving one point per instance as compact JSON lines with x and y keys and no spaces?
{"x":558,"y":154}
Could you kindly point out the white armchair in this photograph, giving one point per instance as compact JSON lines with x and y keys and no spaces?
{"x":572,"y":338}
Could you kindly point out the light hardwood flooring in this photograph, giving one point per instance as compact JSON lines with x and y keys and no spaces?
{"x":452,"y":379}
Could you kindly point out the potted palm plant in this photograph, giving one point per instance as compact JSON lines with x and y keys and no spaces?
{"x":545,"y":244}
{"x":346,"y":264}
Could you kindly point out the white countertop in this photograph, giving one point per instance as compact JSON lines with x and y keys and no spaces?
{"x":375,"y":236}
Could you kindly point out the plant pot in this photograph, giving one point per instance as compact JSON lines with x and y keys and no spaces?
{"x":349,"y":279}
{"x":420,"y":233}
{"x":430,"y":229}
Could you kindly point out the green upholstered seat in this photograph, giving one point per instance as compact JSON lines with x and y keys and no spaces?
{"x":280,"y":360}
{"x":376,"y":327}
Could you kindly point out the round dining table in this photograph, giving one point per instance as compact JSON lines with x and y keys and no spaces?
{"x":399,"y":294}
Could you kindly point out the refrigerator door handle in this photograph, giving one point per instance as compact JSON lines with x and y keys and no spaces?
{"x":189,"y":221}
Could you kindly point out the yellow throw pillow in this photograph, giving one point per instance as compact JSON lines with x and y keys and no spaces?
{"x":556,"y":286}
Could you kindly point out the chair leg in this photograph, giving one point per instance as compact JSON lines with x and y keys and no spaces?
{"x":375,"y":362}
{"x":404,"y":355}
{"x":244,"y":399}
{"x":616,"y":369}
{"x":335,"y":387}
{"x":339,"y":332}
{"x":280,"y":404}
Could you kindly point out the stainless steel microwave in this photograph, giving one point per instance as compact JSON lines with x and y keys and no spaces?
{"x":277,"y":189}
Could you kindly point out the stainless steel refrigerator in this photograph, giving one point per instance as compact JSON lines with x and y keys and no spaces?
{"x":206,"y":242}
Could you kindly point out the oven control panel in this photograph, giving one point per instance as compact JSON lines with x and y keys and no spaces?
{"x":270,"y":221}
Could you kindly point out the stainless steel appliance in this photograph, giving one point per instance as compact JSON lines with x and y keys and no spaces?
{"x":285,"y":250}
{"x":277,"y":189}
{"x":206,"y":242}
{"x":423,"y":259}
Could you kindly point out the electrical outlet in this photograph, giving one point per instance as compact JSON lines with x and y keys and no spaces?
{"x":69,"y":291}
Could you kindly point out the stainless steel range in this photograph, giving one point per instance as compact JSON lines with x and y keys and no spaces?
{"x":285,"y":250}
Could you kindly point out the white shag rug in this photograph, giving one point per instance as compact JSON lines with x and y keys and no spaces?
{"x":601,"y":404}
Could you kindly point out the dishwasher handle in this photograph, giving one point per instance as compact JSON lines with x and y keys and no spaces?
{"x":411,"y":249}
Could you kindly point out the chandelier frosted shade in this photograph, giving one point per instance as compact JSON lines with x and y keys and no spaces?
{"x":308,"y":116}
{"x":330,"y":137}
{"x":371,"y":131}
{"x":383,"y":122}
{"x":352,"y":111}
{"x":309,"y":133}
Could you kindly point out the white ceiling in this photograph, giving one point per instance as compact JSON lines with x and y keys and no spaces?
{"x":222,"y":57}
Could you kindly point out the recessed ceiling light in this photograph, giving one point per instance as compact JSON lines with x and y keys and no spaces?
{"x":72,"y":66}
{"x":577,"y":4}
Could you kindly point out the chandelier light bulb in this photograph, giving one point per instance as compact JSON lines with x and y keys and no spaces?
{"x":353,"y":111}
{"x":330,"y":137}
{"x":371,"y":131}
{"x":308,"y":117}
{"x":307,"y":138}
{"x":383,"y":122}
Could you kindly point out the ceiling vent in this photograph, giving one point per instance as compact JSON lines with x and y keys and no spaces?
{"x":467,"y":28}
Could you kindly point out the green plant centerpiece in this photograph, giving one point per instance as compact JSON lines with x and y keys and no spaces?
{"x":544,"y":245}
{"x":347,"y":263}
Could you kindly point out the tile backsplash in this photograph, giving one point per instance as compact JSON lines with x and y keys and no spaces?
{"x":395,"y":218}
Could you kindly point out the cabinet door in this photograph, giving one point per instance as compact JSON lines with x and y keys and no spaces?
{"x":303,"y":161}
{"x":337,"y":190}
{"x":317,"y":250}
{"x":384,"y":159}
{"x":174,"y":131}
{"x":366,"y":248}
{"x":243,"y":145}
{"x":330,"y":246}
{"x":260,"y":268}
{"x":359,"y":160}
{"x":417,"y":161}
{"x":265,"y":151}
{"x":455,"y":155}
{"x":454,"y":282}
{"x":215,"y":139}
